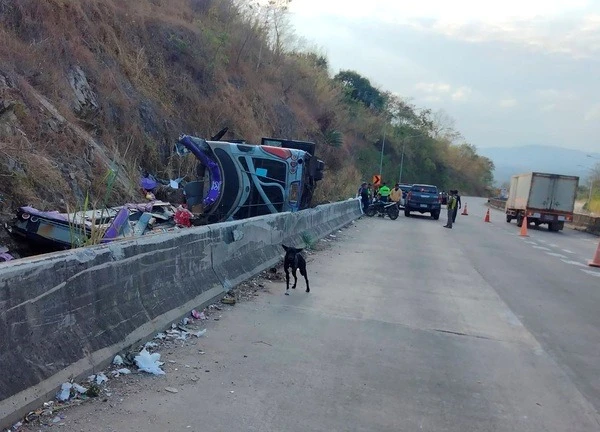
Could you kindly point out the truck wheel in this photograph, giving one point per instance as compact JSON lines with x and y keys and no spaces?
{"x":435,"y":215}
{"x":519,"y":221}
{"x":508,"y":218}
{"x":555,"y":226}
{"x":406,"y":212}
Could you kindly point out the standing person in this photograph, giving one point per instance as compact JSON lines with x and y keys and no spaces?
{"x":364,"y":196}
{"x":384,"y":192}
{"x":396,"y":194}
{"x":370,"y":190}
{"x":450,"y":206}
{"x":459,"y":205}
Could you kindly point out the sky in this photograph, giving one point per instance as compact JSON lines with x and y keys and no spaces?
{"x":510,"y":73}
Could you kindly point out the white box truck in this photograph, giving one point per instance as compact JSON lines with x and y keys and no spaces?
{"x":543,"y":198}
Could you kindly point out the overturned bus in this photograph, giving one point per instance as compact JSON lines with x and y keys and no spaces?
{"x":237,"y":180}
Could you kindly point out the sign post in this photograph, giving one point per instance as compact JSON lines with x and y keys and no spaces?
{"x":376,"y":179}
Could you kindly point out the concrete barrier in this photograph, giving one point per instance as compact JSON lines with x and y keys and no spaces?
{"x":586,"y":223}
{"x":66,"y":314}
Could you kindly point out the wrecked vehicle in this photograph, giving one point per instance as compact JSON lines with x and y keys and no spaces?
{"x":239,"y":180}
{"x":58,"y":231}
{"x":235,"y":180}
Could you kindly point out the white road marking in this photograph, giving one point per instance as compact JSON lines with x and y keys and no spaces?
{"x":577,"y":263}
{"x":568,"y":251}
{"x":591,"y":272}
{"x":556,"y":255}
{"x":531,"y":242}
{"x":541,"y":248}
{"x":554,"y":245}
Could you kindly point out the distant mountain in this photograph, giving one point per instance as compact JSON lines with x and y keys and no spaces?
{"x":558,"y":160}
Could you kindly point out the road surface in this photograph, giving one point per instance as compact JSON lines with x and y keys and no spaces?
{"x":408,"y":327}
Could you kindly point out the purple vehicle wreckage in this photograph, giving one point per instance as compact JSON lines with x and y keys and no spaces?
{"x":235,"y":180}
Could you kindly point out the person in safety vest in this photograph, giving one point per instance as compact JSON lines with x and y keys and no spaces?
{"x":384,"y":192}
{"x":450,"y":206}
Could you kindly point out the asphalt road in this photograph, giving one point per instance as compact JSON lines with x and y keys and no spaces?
{"x":408,"y":327}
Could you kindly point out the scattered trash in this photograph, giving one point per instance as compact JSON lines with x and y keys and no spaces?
{"x":185,"y":321}
{"x":228,"y":300}
{"x":56,"y":419}
{"x":118,"y":360}
{"x":200,"y":333}
{"x":171,"y":390}
{"x":119,"y":372}
{"x":64,"y":393}
{"x":160,"y":336}
{"x":149,"y":363}
{"x":150,"y":345}
{"x":183,"y":336}
{"x":79,"y":389}
{"x":196,"y":314}
{"x":100,"y":378}
{"x":4,"y":255}
{"x":17,"y":425}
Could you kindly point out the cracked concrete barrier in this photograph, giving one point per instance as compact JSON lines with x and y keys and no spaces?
{"x":66,"y":314}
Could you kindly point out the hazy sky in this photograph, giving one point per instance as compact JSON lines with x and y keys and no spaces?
{"x":511,"y":72}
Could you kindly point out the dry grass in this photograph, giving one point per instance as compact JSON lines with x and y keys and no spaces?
{"x":159,"y":68}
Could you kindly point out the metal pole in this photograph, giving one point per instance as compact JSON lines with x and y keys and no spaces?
{"x":381,"y":158}
{"x":590,"y":198}
{"x":402,"y":161}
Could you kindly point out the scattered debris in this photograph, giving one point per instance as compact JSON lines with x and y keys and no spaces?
{"x":65,"y":392}
{"x":150,"y":345}
{"x":200,"y":333}
{"x":98,"y":378}
{"x":4,"y":255}
{"x":118,"y":360}
{"x":228,"y":300}
{"x":171,"y":390}
{"x":79,"y":389}
{"x":149,"y":363}
{"x":122,"y":371}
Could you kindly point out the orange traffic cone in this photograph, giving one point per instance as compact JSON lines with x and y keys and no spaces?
{"x":465,"y":212}
{"x":596,"y":261}
{"x":524,"y":228}
{"x":487,"y":216}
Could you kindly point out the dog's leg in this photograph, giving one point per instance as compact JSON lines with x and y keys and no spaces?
{"x":287,"y":280}
{"x":303,"y":273}
{"x":295,"y":278}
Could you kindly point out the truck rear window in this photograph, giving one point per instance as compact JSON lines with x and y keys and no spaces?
{"x":425,"y":189}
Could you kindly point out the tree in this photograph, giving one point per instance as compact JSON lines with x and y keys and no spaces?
{"x":359,"y":88}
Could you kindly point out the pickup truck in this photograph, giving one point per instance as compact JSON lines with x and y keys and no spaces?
{"x":423,"y":198}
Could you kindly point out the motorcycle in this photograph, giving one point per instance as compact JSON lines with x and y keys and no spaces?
{"x":383,"y":208}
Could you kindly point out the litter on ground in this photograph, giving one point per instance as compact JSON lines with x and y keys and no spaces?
{"x":149,"y":363}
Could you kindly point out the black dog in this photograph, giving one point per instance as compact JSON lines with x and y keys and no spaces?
{"x":295,"y":260}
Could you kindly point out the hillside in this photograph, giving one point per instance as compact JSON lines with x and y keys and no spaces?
{"x":90,"y":87}
{"x":514,"y":160}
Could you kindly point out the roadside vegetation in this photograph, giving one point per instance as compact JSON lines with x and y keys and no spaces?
{"x":88,"y":86}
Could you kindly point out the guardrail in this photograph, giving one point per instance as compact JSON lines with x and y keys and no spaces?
{"x":64,"y":314}
{"x":581,"y":222}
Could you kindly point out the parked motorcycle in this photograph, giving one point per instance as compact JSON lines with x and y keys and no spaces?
{"x":382,"y":208}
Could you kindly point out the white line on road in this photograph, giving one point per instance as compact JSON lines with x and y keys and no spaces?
{"x":554,"y":245}
{"x":592,"y":272}
{"x":568,"y":251}
{"x":541,"y":248}
{"x":554,"y":254}
{"x":577,"y":263}
{"x":531,"y":242}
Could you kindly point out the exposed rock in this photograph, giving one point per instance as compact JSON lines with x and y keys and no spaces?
{"x":85,"y":103}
